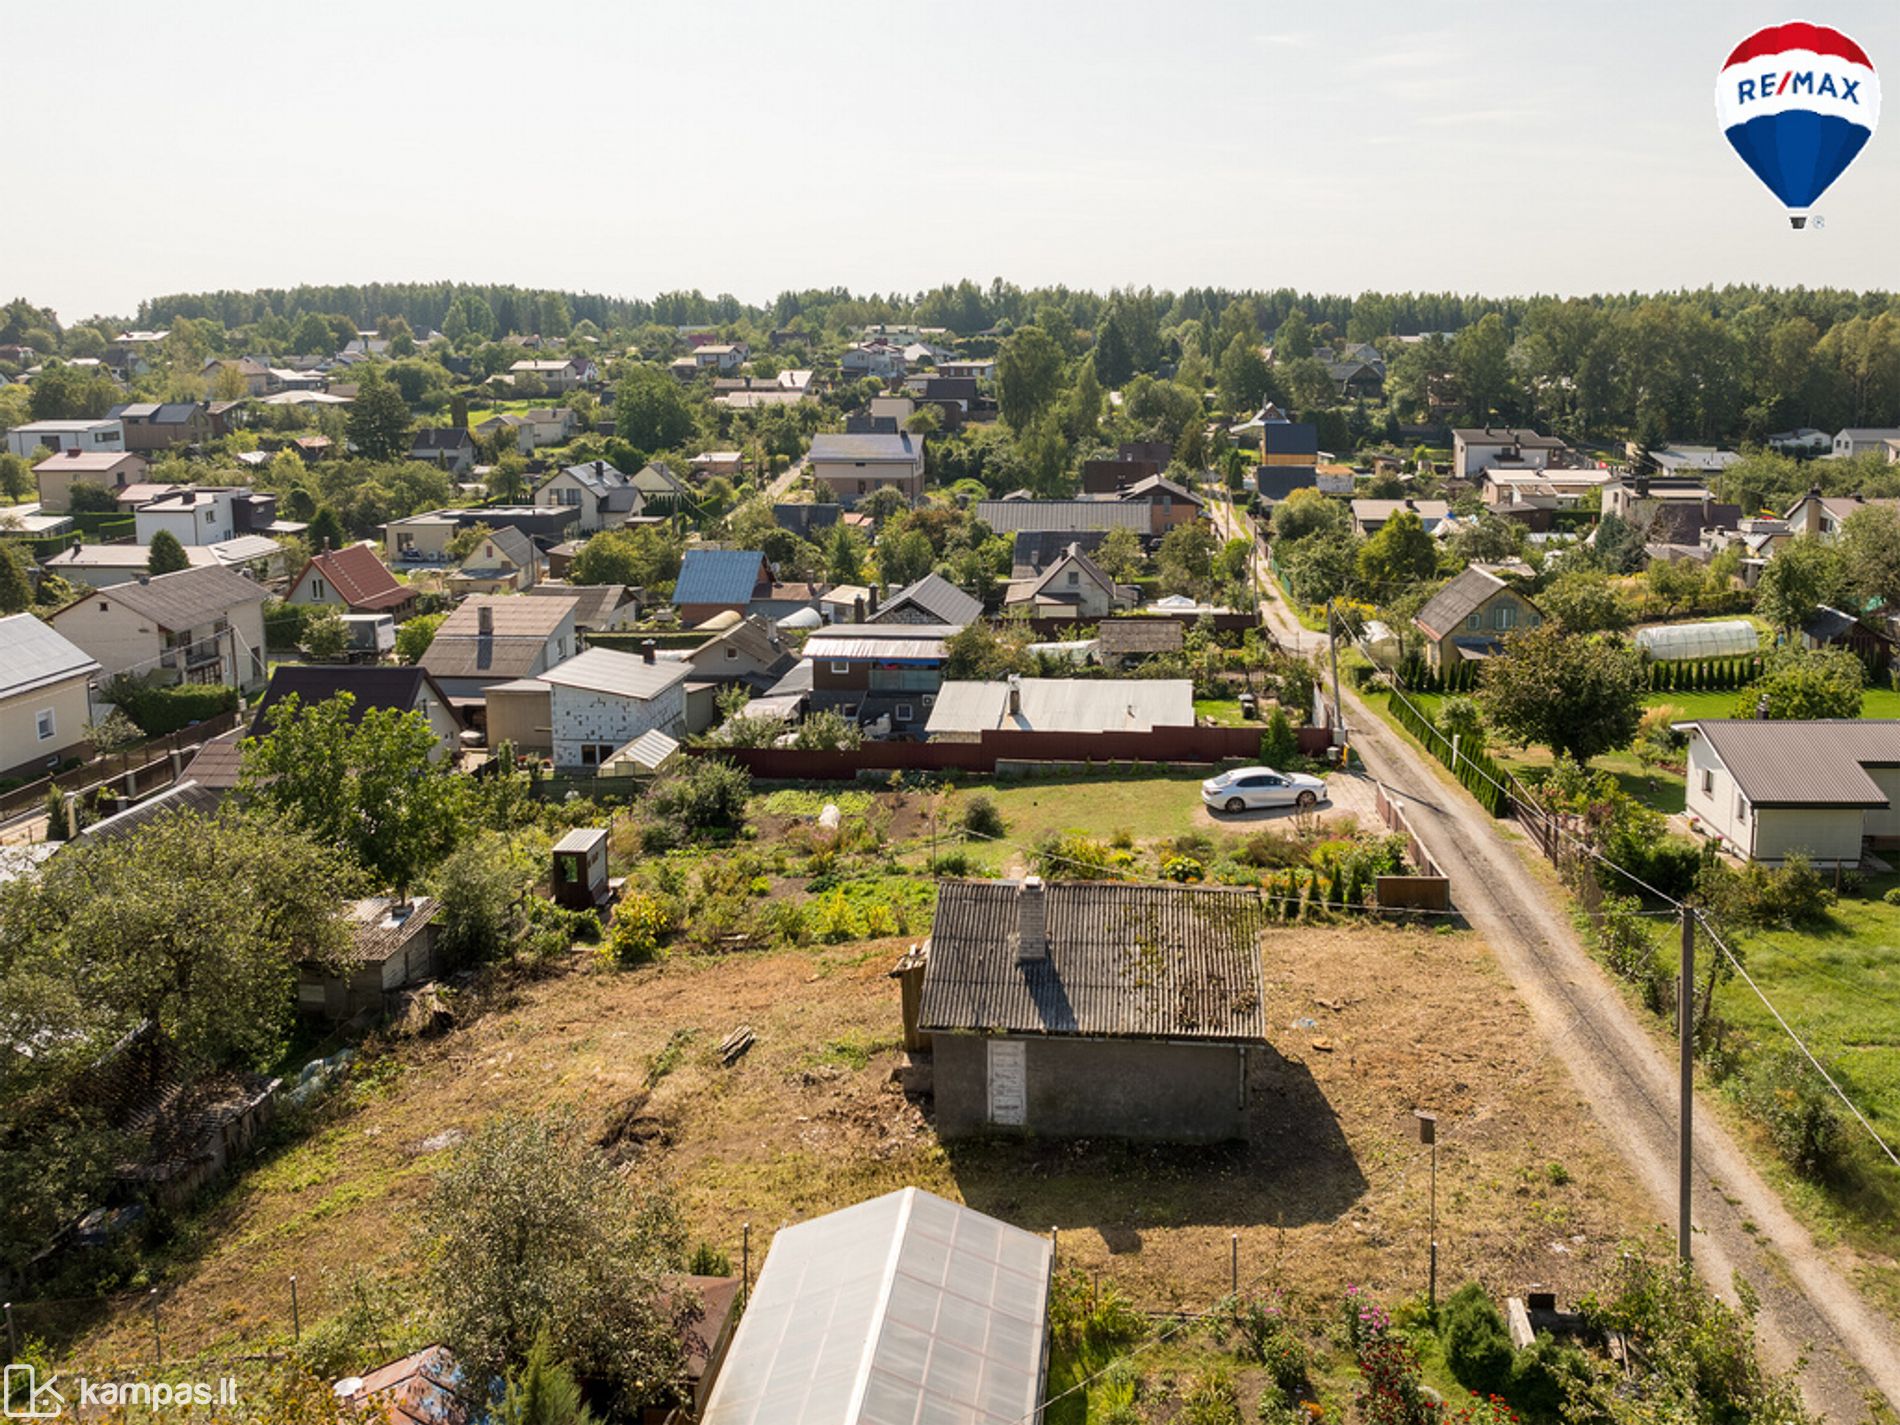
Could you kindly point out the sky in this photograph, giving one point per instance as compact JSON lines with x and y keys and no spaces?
{"x":632,"y":148}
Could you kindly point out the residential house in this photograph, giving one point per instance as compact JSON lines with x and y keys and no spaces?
{"x":392,"y":947}
{"x":1668,"y":509}
{"x":422,"y":537}
{"x":1687,"y":460}
{"x":600,"y":700}
{"x":1123,"y":642}
{"x":708,"y":463}
{"x":496,"y":638}
{"x":353,"y":580}
{"x":964,"y":711}
{"x":932,"y":599}
{"x":605,"y":498}
{"x":723,"y":357}
{"x":108,"y":469}
{"x":162,"y":425}
{"x":1371,"y":516}
{"x":1169,"y":505}
{"x":1470,"y":616}
{"x":1074,"y":587}
{"x":100,"y":566}
{"x":869,"y":672}
{"x":1094,"y":1010}
{"x":195,"y":626}
{"x":542,"y":425}
{"x":505,"y":561}
{"x":1278,"y":441}
{"x":1803,"y":441}
{"x":29,"y":439}
{"x":1513,"y":448}
{"x":1035,"y":550}
{"x":1863,"y":440}
{"x":192,"y":514}
{"x":878,"y":357}
{"x":747,"y":651}
{"x":558,"y":376}
{"x":661,"y":491}
{"x":1823,"y":515}
{"x":256,"y":556}
{"x":253,"y":373}
{"x":812,"y":522}
{"x":1830,"y":627}
{"x":906,"y":1307}
{"x":450,"y":447}
{"x":1112,"y":476}
{"x":598,"y":608}
{"x":981,"y":368}
{"x":713,"y":581}
{"x":405,"y":689}
{"x":45,"y":704}
{"x":1014,"y":516}
{"x":1509,"y":491}
{"x":1822,"y":788}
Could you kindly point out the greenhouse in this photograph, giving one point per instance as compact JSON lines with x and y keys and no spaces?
{"x":1678,"y":642}
{"x":900,"y":1309}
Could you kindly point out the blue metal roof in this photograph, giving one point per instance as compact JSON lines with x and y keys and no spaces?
{"x":718,"y":576}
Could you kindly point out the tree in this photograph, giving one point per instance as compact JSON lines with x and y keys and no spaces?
{"x":1577,"y":695}
{"x":544,"y":1392}
{"x":1618,"y":545}
{"x":904,"y":557}
{"x":1320,"y":568}
{"x":1307,"y":512}
{"x":1119,"y":553}
{"x":1028,"y":375}
{"x":651,"y":413}
{"x":414,"y":636}
{"x":1583,"y":601}
{"x":324,"y":634}
{"x":1801,"y":683}
{"x":195,"y":924}
{"x":844,"y":555}
{"x":16,"y":476}
{"x":376,"y":787}
{"x":1804,"y":574}
{"x":1675,"y":583}
{"x":1870,"y":549}
{"x":378,"y":423}
{"x":311,"y":336}
{"x":983,"y":652}
{"x":1294,"y":340}
{"x":326,"y":530}
{"x":1481,"y":360}
{"x":1400,"y":553}
{"x":529,"y":1234}
{"x":167,"y":555}
{"x":639,"y":558}
{"x":1243,"y":379}
{"x":1114,"y":359}
{"x":1186,"y":559}
{"x":16,"y":587}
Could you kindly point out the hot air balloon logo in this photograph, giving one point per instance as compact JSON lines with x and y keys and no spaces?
{"x":1798,"y":102}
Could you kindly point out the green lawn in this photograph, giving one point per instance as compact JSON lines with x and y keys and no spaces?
{"x":1146,"y":805}
{"x":1876,"y":702}
{"x":1225,"y":711}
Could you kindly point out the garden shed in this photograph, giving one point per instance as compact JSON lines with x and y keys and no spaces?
{"x":1681,"y":642}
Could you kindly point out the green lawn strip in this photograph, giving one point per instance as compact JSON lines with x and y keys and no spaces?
{"x":1146,"y":805}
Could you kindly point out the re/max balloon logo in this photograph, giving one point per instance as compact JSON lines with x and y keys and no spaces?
{"x":1797,"y":103}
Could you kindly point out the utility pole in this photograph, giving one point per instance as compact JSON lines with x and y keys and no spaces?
{"x":1685,"y":1029}
{"x":1332,"y":641}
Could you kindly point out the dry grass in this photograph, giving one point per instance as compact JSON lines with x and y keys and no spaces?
{"x":1331,"y":1190}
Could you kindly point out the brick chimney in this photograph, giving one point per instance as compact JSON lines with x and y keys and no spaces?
{"x":857,"y":608}
{"x":649,"y":650}
{"x":485,"y":618}
{"x":1032,"y":921}
{"x":874,"y":596}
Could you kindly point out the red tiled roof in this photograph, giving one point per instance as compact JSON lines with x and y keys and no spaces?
{"x":360,"y":577}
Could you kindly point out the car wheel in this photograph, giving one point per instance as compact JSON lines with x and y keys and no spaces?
{"x":1305,"y":800}
{"x":1236,"y":804}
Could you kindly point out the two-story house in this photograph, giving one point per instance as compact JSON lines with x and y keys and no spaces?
{"x":498,"y":638}
{"x":201,"y":625}
{"x":600,"y":700}
{"x":1471,"y":616}
{"x":872,"y":671}
{"x":108,"y":469}
{"x":853,"y":466}
{"x":160,"y":425}
{"x":45,"y":704}
{"x":604,"y":496}
{"x":1476,"y":448}
{"x":1073,"y":587}
{"x":353,"y":580}
{"x":192,"y":514}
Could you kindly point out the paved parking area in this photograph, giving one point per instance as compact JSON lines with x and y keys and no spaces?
{"x":1348,"y":794}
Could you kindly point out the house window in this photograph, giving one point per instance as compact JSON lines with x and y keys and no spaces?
{"x":930,"y":699}
{"x":1506,"y":615}
{"x":904,"y":712}
{"x":1074,"y":578}
{"x":1741,"y":808}
{"x":1708,"y":781}
{"x":838,"y":665}
{"x":594,"y":753}
{"x":1475,"y":621}
{"x":850,"y":710}
{"x":44,"y":724}
{"x":103,"y":606}
{"x":732,"y":654}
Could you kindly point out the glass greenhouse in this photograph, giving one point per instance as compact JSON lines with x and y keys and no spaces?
{"x":906,"y":1308}
{"x":1677,"y":642}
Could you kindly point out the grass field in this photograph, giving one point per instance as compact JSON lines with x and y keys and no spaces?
{"x":1327,"y":1192}
{"x":1147,"y":804}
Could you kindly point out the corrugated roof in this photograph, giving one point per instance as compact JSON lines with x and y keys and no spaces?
{"x":185,"y":599}
{"x":897,"y":640}
{"x":1154,"y":962}
{"x":1446,"y":611}
{"x":1816,"y":762}
{"x":1011,"y":516}
{"x":903,"y":1310}
{"x":719,"y":576}
{"x":900,"y":447}
{"x":359,"y":577}
{"x":620,"y":675}
{"x":33,"y":655}
{"x":185,"y":796}
{"x":1064,"y":705}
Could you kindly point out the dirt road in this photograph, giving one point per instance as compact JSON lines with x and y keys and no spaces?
{"x":1741,"y":1228}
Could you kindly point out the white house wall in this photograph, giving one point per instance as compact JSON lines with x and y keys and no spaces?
{"x":1826,"y":835}
{"x":580,"y":718}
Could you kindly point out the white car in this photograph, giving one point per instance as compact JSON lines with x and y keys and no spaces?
{"x":1250,"y":788}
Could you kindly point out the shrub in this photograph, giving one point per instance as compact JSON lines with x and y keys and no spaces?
{"x":1267,"y":1337}
{"x":1392,"y":1393}
{"x":634,"y":935}
{"x":1074,"y":856}
{"x":1892,"y":897}
{"x":1761,"y":896}
{"x":159,"y":710}
{"x":1183,"y":869}
{"x":1366,"y":1321}
{"x":1279,"y":745}
{"x":708,"y":1261}
{"x":706,"y":794}
{"x":1795,"y":1106}
{"x":981,"y":817}
{"x":1540,"y":1375}
{"x":1211,"y":1400}
{"x":1477,"y":1346}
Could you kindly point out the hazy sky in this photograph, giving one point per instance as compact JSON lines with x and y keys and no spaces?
{"x":749,"y":147}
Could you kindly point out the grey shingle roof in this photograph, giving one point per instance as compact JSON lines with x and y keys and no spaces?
{"x":1140,"y":635}
{"x":1169,"y":962}
{"x":1818,"y":762}
{"x":186,"y":599}
{"x":934,"y":595}
{"x":1445,"y":612}
{"x":1011,"y":516}
{"x":899,"y":447}
{"x":33,"y":655}
{"x":719,"y":576}
{"x":370,"y":687}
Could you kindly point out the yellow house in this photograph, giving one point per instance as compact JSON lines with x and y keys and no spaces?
{"x":1471,"y":616}
{"x":44,"y":699}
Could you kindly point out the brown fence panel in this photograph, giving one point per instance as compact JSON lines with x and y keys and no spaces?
{"x":1431,"y":889}
{"x":134,"y":772}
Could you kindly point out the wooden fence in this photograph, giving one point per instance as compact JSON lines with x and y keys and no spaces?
{"x":133,"y":773}
{"x":1428,"y":890}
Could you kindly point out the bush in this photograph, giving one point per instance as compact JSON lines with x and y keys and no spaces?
{"x":1211,"y":1400}
{"x":982,"y":817}
{"x":159,"y":710}
{"x":1762,"y":897}
{"x":1792,"y":1102}
{"x":1279,"y":745}
{"x":1073,"y":856}
{"x":640,"y":923}
{"x":1477,"y":1346}
{"x":707,"y":794}
{"x":1892,"y":897}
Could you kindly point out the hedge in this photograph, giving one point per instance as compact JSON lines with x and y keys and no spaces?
{"x":1476,"y":772}
{"x":158,"y":711}
{"x":1703,"y":675}
{"x":1461,"y":677}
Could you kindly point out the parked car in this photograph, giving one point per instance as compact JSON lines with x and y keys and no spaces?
{"x":1251,"y":788}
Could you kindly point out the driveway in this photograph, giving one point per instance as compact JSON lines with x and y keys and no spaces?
{"x":1349,"y":797}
